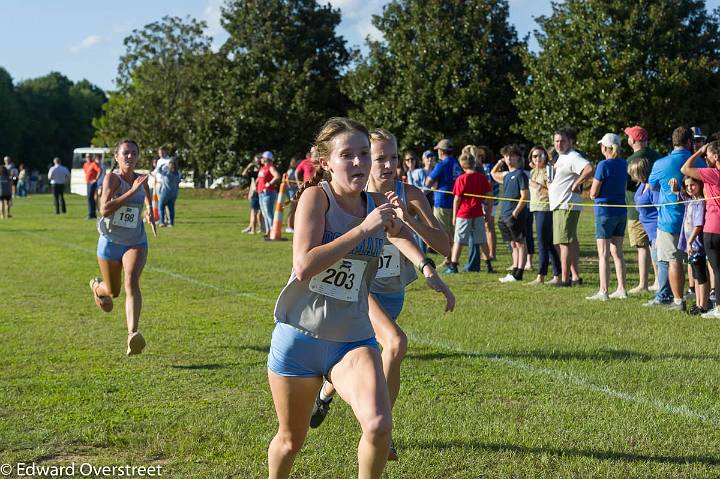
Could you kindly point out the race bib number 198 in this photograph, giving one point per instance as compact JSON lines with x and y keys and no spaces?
{"x":126,"y":217}
{"x":341,"y":280}
{"x":389,"y":265}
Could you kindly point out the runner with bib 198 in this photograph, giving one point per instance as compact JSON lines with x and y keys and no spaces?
{"x":123,"y":244}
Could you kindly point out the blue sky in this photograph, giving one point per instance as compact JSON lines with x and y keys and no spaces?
{"x":83,"y":38}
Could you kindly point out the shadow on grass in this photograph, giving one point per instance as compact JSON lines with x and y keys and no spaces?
{"x":574,"y":452}
{"x":600,"y":355}
{"x":207,"y":367}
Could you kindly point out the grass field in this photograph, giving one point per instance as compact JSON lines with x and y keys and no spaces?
{"x":518,"y":382}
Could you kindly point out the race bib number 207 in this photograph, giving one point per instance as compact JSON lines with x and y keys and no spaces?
{"x":340,"y":281}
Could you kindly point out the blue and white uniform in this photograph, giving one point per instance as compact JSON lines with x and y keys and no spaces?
{"x":124,"y":229}
{"x":320,"y":320}
{"x":395,"y":272}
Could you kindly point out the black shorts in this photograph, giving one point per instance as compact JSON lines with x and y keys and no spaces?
{"x":699,"y":268}
{"x":513,"y":229}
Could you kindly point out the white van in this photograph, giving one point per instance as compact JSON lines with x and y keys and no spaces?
{"x":77,"y":174}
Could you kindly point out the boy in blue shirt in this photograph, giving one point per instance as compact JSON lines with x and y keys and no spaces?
{"x":513,"y":209}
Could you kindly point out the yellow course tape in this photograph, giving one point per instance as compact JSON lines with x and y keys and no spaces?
{"x":517,"y":200}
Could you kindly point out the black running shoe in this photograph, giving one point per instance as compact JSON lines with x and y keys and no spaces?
{"x":392,"y":453}
{"x":696,"y":310}
{"x":320,"y":410}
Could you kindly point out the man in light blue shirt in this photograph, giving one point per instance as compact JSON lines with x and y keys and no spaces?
{"x":671,"y":276}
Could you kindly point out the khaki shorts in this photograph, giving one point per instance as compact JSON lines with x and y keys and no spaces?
{"x":444,"y":216}
{"x":565,"y":223}
{"x":667,"y":250}
{"x":638,"y":235}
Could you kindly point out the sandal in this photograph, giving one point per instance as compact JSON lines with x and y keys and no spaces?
{"x":105,"y":303}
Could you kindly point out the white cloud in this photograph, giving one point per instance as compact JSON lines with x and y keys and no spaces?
{"x":211,"y":15}
{"x":356,"y":22}
{"x":87,"y":42}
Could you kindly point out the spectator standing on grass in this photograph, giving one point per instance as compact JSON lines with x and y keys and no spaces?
{"x":710,"y":176}
{"x":639,"y":239}
{"x":513,"y":209}
{"x":571,"y":170}
{"x":22,"y":186}
{"x":428,"y":160}
{"x":268,"y":180}
{"x":92,"y":171}
{"x":469,"y":212}
{"x":608,"y":188}
{"x":540,"y":209}
{"x":169,"y":188}
{"x":34,"y":177}
{"x":443,"y":178}
{"x":488,"y":161}
{"x":13,"y":173}
{"x":5,"y":192}
{"x":251,"y":171}
{"x":645,"y":200}
{"x":670,"y":217}
{"x":293,"y":184}
{"x":304,"y":171}
{"x":691,"y":239}
{"x":58,"y":175}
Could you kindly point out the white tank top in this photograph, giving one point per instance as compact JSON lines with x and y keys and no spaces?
{"x":333,"y":305}
{"x":125,"y":226}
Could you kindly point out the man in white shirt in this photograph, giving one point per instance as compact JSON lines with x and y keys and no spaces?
{"x":58,"y":175}
{"x":571,"y":171}
{"x":161,"y":166}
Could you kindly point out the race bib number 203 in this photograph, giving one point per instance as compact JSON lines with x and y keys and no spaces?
{"x":340,"y":281}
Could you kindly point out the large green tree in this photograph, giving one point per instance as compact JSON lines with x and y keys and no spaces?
{"x":157,"y":101}
{"x":286,"y":60}
{"x":606,"y":64}
{"x":444,"y":69}
{"x":10,"y":116}
{"x":56,"y":117}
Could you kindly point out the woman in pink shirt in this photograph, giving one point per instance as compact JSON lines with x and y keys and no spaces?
{"x":711,"y":184}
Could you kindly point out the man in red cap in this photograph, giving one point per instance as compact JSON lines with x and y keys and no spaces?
{"x":638,"y":141}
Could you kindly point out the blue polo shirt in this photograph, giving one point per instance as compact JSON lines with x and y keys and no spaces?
{"x":669,"y":217}
{"x":613,"y":175}
{"x":445,"y":173}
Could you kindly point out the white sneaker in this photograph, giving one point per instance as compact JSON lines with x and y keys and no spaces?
{"x":507,"y":279}
{"x":638,"y":290}
{"x":289,"y":230}
{"x":712,"y":314}
{"x":618,"y":295}
{"x":599,"y":296}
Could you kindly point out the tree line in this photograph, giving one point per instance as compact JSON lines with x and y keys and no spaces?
{"x":444,"y":68}
{"x":45,"y":117}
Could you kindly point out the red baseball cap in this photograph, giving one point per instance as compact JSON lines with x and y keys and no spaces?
{"x":637,"y":133}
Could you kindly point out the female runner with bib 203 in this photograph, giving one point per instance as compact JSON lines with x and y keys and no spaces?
{"x":322,"y":324}
{"x":123,"y":244}
{"x":395,"y":271}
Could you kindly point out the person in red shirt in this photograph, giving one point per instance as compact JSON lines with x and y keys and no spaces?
{"x":92,"y":170}
{"x":468,"y":213}
{"x":304,"y":171}
{"x":267,"y":181}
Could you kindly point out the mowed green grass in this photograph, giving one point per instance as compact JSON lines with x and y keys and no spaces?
{"x":519,"y":381}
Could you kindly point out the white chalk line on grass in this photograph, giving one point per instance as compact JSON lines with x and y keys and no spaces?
{"x":674,"y":409}
{"x":154,"y":269}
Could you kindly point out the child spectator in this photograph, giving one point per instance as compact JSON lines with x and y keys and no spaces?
{"x":468,"y":214}
{"x":513,"y":213}
{"x":645,"y":200}
{"x":691,"y":239}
